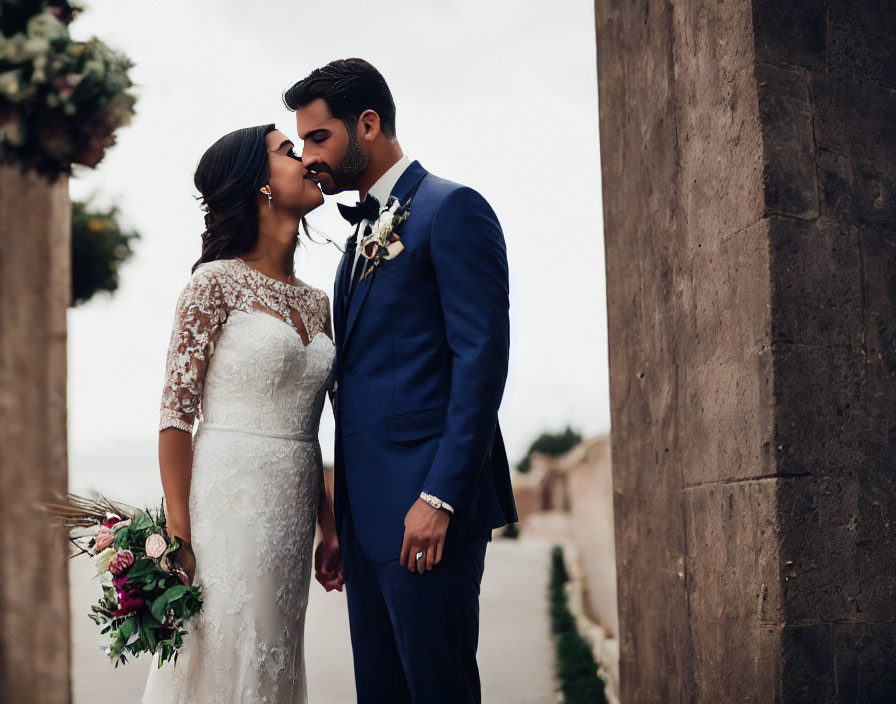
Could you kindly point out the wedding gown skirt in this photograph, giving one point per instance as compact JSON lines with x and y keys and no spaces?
{"x":254,"y":495}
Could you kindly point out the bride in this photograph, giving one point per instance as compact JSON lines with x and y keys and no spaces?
{"x":250,"y":359}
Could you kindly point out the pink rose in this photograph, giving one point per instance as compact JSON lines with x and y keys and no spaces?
{"x":104,"y":538}
{"x":155,"y":545}
{"x":122,"y":560}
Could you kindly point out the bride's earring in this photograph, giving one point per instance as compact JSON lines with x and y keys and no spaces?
{"x":266,"y":190}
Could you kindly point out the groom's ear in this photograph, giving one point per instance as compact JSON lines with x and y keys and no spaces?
{"x":369,"y":126}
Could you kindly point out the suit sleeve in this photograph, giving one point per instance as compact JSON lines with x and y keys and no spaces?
{"x":470,"y":262}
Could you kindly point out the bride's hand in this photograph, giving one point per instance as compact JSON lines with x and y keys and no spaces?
{"x":328,"y":563}
{"x":185,"y":559}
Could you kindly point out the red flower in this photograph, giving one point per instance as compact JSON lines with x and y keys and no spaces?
{"x":129,"y":599}
{"x":109,"y":522}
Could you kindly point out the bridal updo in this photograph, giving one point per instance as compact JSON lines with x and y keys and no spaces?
{"x":228,"y":177}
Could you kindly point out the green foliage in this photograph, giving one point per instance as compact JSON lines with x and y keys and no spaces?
{"x":576,"y":668}
{"x":100,"y":245}
{"x":132,"y":537}
{"x":60,"y":100}
{"x":550,"y":444}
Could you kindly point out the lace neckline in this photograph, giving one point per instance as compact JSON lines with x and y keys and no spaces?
{"x":270,"y":280}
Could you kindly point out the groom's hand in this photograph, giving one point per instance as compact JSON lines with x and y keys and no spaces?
{"x":424,"y":531}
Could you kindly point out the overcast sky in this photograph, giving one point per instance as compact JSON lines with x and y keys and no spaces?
{"x":498,"y":95}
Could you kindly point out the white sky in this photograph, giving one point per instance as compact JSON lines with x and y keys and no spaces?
{"x":498,"y":95}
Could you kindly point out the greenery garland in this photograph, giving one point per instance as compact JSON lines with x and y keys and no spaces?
{"x":60,"y":100}
{"x":576,"y":668}
{"x":99,"y":246}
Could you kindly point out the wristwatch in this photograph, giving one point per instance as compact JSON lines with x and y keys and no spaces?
{"x":436,"y":502}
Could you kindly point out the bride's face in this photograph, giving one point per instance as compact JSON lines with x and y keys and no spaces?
{"x":291,"y":189}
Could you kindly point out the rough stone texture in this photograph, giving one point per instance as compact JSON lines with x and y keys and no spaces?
{"x":35,"y":256}
{"x":749,"y":178}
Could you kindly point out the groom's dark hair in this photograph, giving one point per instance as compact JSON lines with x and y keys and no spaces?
{"x":350,"y":86}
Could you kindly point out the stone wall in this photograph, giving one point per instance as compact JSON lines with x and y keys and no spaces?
{"x":749,"y":189}
{"x":35,"y":257}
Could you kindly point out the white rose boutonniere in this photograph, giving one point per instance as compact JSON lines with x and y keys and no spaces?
{"x":381,"y":241}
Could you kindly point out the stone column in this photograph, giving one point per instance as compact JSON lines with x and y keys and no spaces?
{"x":749,"y":186}
{"x":35,"y":256}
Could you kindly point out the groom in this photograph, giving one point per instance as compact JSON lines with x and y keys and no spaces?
{"x":422,"y":332}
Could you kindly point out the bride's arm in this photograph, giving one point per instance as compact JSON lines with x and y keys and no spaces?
{"x":176,"y":468}
{"x":325,"y":517}
{"x":197,"y":324}
{"x":326,"y":520}
{"x":327,"y":556}
{"x":327,"y":559}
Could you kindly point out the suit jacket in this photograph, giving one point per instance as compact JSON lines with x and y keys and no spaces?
{"x":422,"y":348}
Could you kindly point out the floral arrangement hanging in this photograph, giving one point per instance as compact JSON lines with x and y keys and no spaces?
{"x":61,"y":101}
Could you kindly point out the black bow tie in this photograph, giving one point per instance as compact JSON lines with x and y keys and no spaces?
{"x":368,"y":210}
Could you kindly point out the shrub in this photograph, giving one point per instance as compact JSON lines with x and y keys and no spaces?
{"x":550,"y":444}
{"x":576,"y":668}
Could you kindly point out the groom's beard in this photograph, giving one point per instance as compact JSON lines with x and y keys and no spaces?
{"x":353,"y":164}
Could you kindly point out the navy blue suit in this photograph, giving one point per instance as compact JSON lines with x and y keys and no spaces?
{"x":422,"y":349}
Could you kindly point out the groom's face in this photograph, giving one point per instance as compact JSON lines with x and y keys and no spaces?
{"x":329,"y":148}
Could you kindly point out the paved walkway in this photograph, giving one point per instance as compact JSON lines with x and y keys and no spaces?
{"x":515,"y":651}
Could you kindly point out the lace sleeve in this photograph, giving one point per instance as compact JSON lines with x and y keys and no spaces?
{"x":325,"y":315}
{"x":201,"y":312}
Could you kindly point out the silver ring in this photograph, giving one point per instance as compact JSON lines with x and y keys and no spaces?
{"x":419,"y":555}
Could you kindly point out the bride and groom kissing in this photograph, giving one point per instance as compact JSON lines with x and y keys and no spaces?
{"x":414,"y":360}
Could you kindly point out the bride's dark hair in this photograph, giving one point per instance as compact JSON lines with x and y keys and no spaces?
{"x":228,"y":176}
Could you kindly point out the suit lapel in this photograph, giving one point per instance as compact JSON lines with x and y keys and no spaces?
{"x":339,"y":295}
{"x":406,"y":186}
{"x":342,"y":290}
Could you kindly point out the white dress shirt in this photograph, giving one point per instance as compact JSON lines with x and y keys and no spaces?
{"x":381,"y":190}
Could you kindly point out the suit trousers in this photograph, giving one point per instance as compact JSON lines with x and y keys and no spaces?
{"x":414,"y":637}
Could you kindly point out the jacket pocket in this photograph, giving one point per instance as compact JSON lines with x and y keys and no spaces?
{"x":416,"y":426}
{"x":407,"y":258}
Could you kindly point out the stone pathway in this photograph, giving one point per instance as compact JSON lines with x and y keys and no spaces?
{"x":515,"y":651}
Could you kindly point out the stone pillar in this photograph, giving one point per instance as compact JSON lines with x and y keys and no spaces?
{"x":35,"y":256}
{"x":749,"y":188}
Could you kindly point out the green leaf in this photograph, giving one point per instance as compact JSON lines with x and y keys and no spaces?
{"x":158,"y":608}
{"x":127,"y":628}
{"x":122,"y":538}
{"x":177,"y":591}
{"x":147,"y":640}
{"x":162,"y":603}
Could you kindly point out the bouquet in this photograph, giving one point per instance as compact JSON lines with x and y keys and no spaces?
{"x":146,"y":601}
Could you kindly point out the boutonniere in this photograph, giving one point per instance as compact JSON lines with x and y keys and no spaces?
{"x":381,"y":241}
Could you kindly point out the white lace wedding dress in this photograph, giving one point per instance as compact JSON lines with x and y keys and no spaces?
{"x":251,"y":356}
